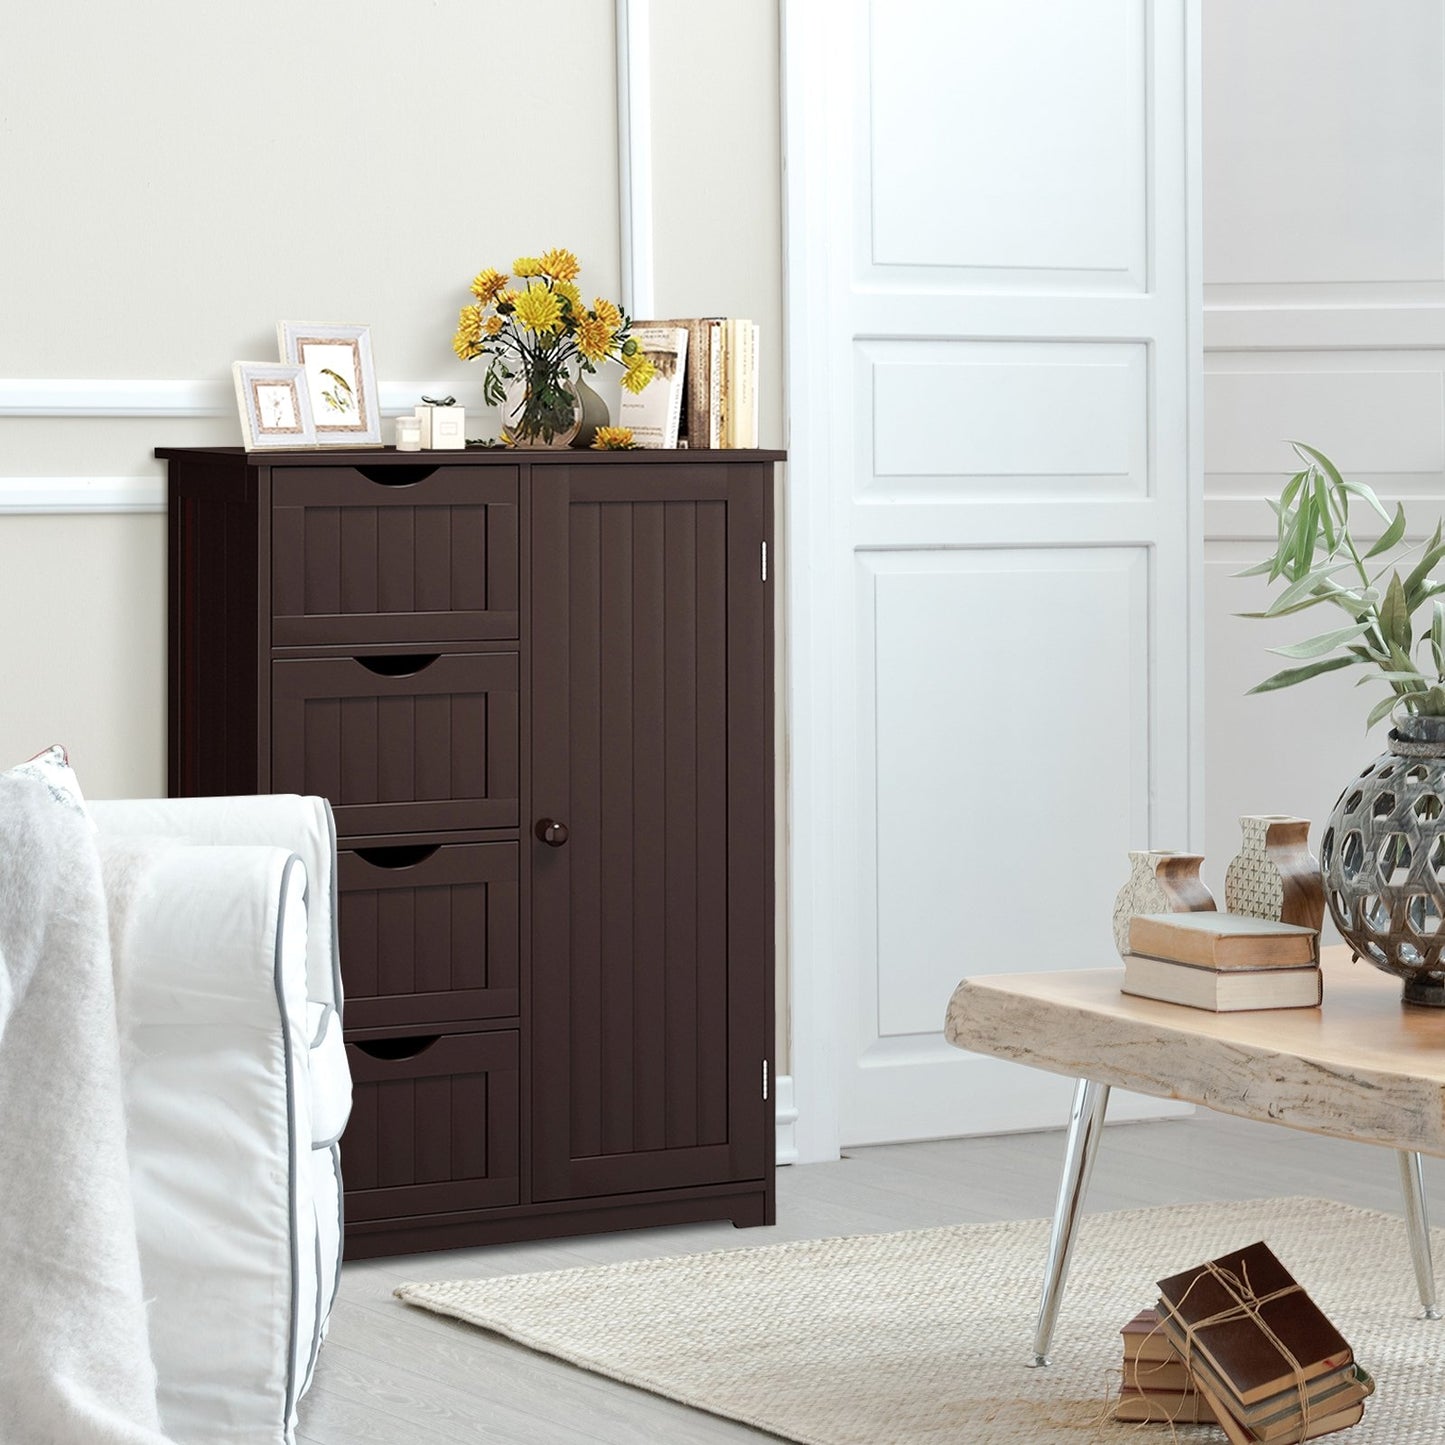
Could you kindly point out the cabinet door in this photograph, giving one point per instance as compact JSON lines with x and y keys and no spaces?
{"x":652,"y":927}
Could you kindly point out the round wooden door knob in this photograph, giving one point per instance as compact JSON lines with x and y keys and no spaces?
{"x":551,"y":832}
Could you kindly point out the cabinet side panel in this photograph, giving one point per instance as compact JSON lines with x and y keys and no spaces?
{"x":213,"y":662}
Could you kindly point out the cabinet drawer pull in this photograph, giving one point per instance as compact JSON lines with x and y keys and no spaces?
{"x":396,"y":476}
{"x":393,"y":1050}
{"x":398,"y":664}
{"x":397,"y":855}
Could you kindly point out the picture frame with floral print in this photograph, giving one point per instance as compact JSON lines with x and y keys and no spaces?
{"x":274,"y":405}
{"x":340,"y":376}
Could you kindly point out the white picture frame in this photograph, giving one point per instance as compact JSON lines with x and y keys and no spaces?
{"x":341,"y":379}
{"x":274,"y":405}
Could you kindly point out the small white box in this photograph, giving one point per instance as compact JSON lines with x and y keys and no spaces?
{"x":443,"y":428}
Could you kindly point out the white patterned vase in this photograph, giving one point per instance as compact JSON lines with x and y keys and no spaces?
{"x":1274,"y":875}
{"x":1160,"y":881}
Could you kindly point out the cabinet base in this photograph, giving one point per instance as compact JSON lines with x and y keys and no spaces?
{"x":747,"y":1206}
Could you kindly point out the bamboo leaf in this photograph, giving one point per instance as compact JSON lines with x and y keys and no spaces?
{"x":1395,"y":616}
{"x":1327,"y":521}
{"x":1302,"y":585}
{"x":1391,"y":535}
{"x":1414,"y":677}
{"x":1434,"y":554}
{"x":1437,"y":638}
{"x":1258,"y":570}
{"x":1291,"y":675}
{"x":1329,"y":468}
{"x":1325,"y":642}
{"x":1381,"y":709}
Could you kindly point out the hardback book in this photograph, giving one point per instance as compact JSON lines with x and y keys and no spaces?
{"x":1157,"y":1375}
{"x":655,"y":413}
{"x":702,"y":410}
{"x":1245,"y":1360}
{"x":1277,"y":1415}
{"x":1240,"y":1433}
{"x":1183,"y":1407}
{"x":1223,"y":940}
{"x":1221,"y":990}
{"x":740,"y":347}
{"x":1146,"y":1339}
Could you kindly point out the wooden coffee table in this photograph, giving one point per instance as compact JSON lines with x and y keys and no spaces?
{"x":1363,"y":1067}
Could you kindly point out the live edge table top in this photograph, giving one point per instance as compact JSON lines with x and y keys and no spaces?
{"x":1363,"y":1066}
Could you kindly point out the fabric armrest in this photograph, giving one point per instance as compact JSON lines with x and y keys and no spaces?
{"x":214,"y":1034}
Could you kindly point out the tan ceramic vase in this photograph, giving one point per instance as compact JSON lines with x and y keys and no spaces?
{"x":1275,"y":875}
{"x":1159,"y":882}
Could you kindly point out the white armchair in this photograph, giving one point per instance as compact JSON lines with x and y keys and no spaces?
{"x":236,"y":1092}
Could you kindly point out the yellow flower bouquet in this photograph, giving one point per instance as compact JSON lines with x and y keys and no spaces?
{"x":538,"y":331}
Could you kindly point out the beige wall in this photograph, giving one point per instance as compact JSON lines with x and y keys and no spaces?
{"x":178,"y":177}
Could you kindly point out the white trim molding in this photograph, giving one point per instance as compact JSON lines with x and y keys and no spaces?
{"x":118,"y":397}
{"x":634,"y":153}
{"x":787,"y":1147}
{"x":61,"y":496}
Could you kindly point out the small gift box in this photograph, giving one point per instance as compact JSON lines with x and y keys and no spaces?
{"x":443,"y":423}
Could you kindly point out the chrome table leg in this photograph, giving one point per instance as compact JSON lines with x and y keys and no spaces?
{"x":1417,"y":1222}
{"x":1086,"y":1119}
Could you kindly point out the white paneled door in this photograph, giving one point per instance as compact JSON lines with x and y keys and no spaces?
{"x":994,"y":521}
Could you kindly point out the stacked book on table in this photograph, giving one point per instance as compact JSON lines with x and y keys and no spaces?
{"x":1251,"y":1351}
{"x":1224,"y":962}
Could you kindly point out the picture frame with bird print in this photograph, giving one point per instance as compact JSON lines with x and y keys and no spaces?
{"x":341,"y":379}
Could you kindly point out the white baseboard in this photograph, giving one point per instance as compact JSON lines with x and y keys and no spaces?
{"x":787,"y":1118}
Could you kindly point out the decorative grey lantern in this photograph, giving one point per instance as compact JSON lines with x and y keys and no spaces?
{"x":1383,"y":859}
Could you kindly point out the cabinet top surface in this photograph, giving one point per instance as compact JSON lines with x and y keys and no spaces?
{"x":471,"y":456}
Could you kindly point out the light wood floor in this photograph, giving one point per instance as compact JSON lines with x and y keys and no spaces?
{"x":393,"y":1375}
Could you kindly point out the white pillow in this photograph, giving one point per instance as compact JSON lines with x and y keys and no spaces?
{"x":52,"y":768}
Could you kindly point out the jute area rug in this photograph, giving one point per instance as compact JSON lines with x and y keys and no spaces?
{"x":924,"y":1336}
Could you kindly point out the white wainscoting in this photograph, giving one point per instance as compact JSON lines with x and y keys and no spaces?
{"x":1325,"y":322}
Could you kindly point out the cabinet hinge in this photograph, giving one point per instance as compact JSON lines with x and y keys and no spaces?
{"x":764,"y":561}
{"x":765,"y":1078}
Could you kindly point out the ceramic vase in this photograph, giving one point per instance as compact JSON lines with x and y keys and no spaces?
{"x":1274,"y":875}
{"x":594,"y":414}
{"x":1383,"y":857}
{"x":1159,"y":882}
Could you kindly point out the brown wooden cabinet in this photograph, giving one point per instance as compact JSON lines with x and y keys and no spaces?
{"x":537,"y":689}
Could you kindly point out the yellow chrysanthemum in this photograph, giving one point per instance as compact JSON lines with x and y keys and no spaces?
{"x":539,"y":310}
{"x":613,"y":439}
{"x":639,"y":373}
{"x":569,"y":290}
{"x":561,"y":265}
{"x":594,"y":340}
{"x":467,"y":342}
{"x":527,"y":266}
{"x":507,"y":298}
{"x":607,"y":313}
{"x":487,"y":285}
{"x":493,"y":326}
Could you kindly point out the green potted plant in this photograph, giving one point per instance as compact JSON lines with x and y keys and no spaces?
{"x":1383,"y":850}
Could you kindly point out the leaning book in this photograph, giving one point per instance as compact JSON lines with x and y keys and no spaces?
{"x":655,"y":412}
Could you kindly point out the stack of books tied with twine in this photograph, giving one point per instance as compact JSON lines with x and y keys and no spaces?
{"x":1157,"y":1384}
{"x":1224,"y":962}
{"x":1259,"y":1352}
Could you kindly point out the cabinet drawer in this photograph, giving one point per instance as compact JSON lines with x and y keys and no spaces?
{"x":393,"y":554}
{"x":405,"y":743}
{"x":434,"y":1125}
{"x":429,"y":933}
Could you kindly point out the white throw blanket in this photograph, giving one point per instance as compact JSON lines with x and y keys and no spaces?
{"x":75,"y":1361}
